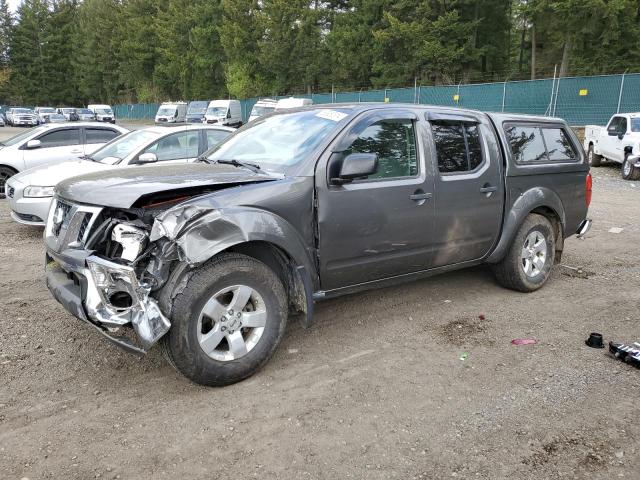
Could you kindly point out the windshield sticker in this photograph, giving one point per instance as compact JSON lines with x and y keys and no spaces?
{"x":332,"y":115}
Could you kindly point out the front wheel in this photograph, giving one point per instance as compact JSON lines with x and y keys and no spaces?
{"x":527,"y":265}
{"x":628,"y":170}
{"x":5,"y":174}
{"x":228,"y":321}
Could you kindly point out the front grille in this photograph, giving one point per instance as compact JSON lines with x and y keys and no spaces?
{"x":69,"y":225}
{"x":162,"y":119}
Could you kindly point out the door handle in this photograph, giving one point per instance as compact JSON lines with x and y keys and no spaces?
{"x":416,"y":197}
{"x":76,"y":151}
{"x":488,"y":189}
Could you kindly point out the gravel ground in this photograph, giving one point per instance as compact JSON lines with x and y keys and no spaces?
{"x":376,"y":389}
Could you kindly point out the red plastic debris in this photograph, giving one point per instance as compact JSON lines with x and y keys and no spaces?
{"x":524,"y":341}
{"x":481,"y":316}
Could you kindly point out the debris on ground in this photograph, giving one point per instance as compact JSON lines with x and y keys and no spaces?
{"x":481,"y":316}
{"x":576,"y":272}
{"x":524,"y":341}
{"x":615,"y":230}
{"x":464,"y":356}
{"x":626,"y":353}
{"x":594,"y":340}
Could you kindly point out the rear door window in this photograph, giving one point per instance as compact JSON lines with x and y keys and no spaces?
{"x":458,"y":146}
{"x":61,"y":138}
{"x":539,"y":144}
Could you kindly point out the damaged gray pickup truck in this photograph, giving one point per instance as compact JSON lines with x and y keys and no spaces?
{"x":210,"y":259}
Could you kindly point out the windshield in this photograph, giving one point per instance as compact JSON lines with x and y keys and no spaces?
{"x":22,"y":110}
{"x":167,"y":111}
{"x":217,"y":111}
{"x":280,"y":141}
{"x":197,"y":108}
{"x":47,"y":110}
{"x":104,"y":111}
{"x":635,"y":124}
{"x":259,"y":111}
{"x":68,"y":110}
{"x":57,"y":116}
{"x":84,"y":111}
{"x":114,"y":151}
{"x":24,"y":135}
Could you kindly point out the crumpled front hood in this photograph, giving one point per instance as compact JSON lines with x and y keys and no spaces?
{"x":52,"y":174}
{"x":121,"y":188}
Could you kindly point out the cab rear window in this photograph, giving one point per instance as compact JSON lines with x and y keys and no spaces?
{"x":539,"y":144}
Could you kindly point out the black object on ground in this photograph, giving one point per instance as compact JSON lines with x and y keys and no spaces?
{"x":626,"y":353}
{"x":595,"y":340}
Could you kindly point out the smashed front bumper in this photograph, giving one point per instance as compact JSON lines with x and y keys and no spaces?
{"x":108,"y":296}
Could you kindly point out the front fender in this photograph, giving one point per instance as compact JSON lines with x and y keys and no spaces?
{"x":527,"y":201}
{"x":203,"y":232}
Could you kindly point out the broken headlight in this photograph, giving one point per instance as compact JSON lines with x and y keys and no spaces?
{"x":117,"y":284}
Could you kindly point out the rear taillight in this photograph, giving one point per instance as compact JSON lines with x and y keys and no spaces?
{"x":588,"y":187}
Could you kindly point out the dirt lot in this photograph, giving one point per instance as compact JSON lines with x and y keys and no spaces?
{"x":376,"y":389}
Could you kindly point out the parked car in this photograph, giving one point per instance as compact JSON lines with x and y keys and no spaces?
{"x":196,"y":111}
{"x":263,"y":107}
{"x":224,"y":112}
{"x":292,"y":102}
{"x":618,"y":142}
{"x":303,"y":206}
{"x":51,"y":143}
{"x":85,"y":115}
{"x":2,"y":121}
{"x":18,"y":116}
{"x":30,"y":192}
{"x":43,"y":113}
{"x":171,"y":112}
{"x":55,"y":118}
{"x":103,"y":113}
{"x":69,"y":113}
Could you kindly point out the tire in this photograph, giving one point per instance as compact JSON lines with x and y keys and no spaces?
{"x":528,"y":274}
{"x":5,"y":174}
{"x":223,"y":279}
{"x":594,"y":160}
{"x":629,"y":171}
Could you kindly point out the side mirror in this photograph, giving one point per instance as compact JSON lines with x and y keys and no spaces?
{"x":356,"y":165}
{"x":620,"y":135}
{"x":146,"y":158}
{"x":31,"y":144}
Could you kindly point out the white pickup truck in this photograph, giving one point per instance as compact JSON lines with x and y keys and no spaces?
{"x":618,"y":142}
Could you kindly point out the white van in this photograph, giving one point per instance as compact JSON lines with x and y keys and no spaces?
{"x":103,"y":113}
{"x":224,"y":112}
{"x":263,"y":107}
{"x":172,"y":112}
{"x":293,"y":102}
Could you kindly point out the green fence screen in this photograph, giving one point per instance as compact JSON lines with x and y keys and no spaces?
{"x":579,"y":100}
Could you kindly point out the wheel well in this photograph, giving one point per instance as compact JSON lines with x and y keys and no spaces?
{"x":282,"y":264}
{"x":556,"y":223}
{"x":10,"y":168}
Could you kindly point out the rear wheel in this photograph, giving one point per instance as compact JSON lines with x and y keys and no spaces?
{"x":228,"y":321}
{"x":628,"y":170}
{"x":5,"y":174}
{"x":527,"y":265}
{"x":594,"y":160}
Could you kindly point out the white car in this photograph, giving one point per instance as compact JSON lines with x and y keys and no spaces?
{"x":21,"y":117}
{"x":263,"y":107}
{"x":51,"y":143}
{"x":44,"y":113}
{"x":30,"y":192}
{"x":618,"y":142}
{"x":103,"y":113}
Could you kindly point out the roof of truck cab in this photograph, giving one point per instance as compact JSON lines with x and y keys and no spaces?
{"x":361,"y":107}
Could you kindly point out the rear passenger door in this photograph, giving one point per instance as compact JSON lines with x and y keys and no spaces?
{"x":469,"y":191}
{"x":55,"y":146}
{"x":96,"y":137}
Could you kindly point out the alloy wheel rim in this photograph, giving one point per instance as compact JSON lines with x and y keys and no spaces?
{"x":626,"y":168}
{"x":231,"y":323}
{"x":534,"y":254}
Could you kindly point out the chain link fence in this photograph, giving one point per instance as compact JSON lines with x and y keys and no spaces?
{"x":578,"y":100}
